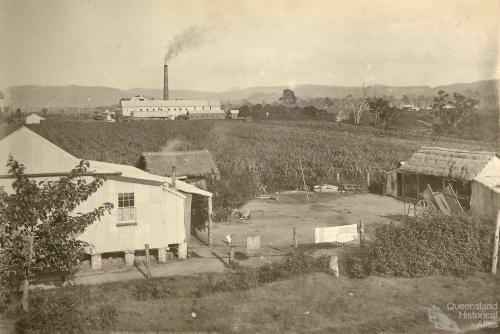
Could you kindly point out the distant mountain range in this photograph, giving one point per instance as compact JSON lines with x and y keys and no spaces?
{"x":83,"y":96}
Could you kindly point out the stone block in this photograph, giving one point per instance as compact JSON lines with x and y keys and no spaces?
{"x":96,"y":261}
{"x":182,"y":251}
{"x":162,"y":255}
{"x":129,"y":258}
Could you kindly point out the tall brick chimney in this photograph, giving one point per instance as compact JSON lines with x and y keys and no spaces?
{"x":174,"y":176}
{"x":165,"y":82}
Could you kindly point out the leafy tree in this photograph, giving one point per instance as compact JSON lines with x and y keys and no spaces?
{"x":38,"y":225}
{"x":329,"y":104}
{"x":142,"y":163}
{"x":231,"y":192}
{"x":288,"y":99}
{"x":258,"y":111}
{"x":405,"y":100}
{"x":453,"y":112}
{"x":244,"y":112}
{"x":45,"y":111}
{"x":382,"y":108}
{"x":18,"y":113}
{"x":310,"y":112}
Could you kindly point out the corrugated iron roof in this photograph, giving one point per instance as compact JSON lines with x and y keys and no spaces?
{"x":138,"y":174}
{"x":170,"y":103}
{"x":100,"y":167}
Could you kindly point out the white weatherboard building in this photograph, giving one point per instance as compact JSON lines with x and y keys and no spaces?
{"x":148,"y":209}
{"x":34,"y":119}
{"x":140,"y":107}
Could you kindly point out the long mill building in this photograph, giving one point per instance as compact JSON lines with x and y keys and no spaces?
{"x":141,"y":107}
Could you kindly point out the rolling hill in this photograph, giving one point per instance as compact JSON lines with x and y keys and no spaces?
{"x":83,"y":96}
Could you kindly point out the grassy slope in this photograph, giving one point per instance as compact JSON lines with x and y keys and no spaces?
{"x":377,"y":304}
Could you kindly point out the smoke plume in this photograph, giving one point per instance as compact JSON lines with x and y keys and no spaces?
{"x":176,"y":145}
{"x":186,"y":40}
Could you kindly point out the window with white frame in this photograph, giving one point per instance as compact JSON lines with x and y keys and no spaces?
{"x":126,"y":209}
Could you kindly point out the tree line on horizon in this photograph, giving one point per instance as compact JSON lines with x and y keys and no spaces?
{"x":451,"y":113}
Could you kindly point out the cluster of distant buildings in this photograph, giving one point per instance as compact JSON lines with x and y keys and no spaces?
{"x":141,"y":107}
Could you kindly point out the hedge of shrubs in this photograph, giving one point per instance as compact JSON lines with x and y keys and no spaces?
{"x":65,"y":312}
{"x":236,"y":277}
{"x":240,"y":277}
{"x":427,"y":245}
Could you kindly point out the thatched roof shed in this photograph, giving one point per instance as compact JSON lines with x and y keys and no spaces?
{"x":449,"y":163}
{"x":193,"y":164}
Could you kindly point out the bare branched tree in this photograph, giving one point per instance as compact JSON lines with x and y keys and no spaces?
{"x":361,"y":105}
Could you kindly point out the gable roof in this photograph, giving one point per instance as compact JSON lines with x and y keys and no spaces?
{"x":138,"y":174}
{"x":444,"y":162}
{"x":187,"y":163}
{"x":35,"y":116}
{"x":40,"y":156}
{"x":490,"y":175}
{"x":142,"y":102}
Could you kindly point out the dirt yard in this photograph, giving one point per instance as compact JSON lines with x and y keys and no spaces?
{"x":274,"y":220}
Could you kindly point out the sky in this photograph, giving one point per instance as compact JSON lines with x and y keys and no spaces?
{"x":237,"y":44}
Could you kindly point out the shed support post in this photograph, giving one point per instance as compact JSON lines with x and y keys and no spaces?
{"x":494,"y":260}
{"x":210,"y":231}
{"x":403,"y":178}
{"x":418,"y":186}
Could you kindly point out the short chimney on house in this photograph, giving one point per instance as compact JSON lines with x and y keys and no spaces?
{"x":174,"y":176}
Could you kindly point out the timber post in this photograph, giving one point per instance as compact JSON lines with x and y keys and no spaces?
{"x":295,"y":237}
{"x":210,"y":227}
{"x":148,"y":261}
{"x":210,"y":234}
{"x":231,"y":254}
{"x":367,"y":179}
{"x":494,"y":260}
{"x":361,"y":232}
{"x":334,"y":265}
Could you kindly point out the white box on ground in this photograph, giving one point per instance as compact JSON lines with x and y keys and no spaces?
{"x":253,"y":243}
{"x":342,"y":233}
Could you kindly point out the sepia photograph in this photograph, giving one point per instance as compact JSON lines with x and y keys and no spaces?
{"x":249,"y":166}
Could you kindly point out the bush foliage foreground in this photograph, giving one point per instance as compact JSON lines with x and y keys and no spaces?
{"x":67,"y":310}
{"x":427,"y":245}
